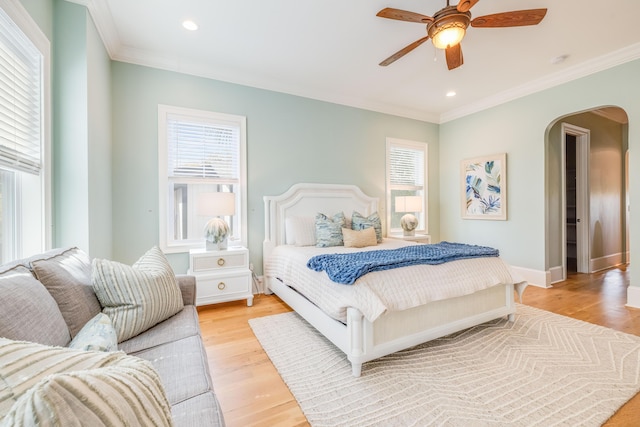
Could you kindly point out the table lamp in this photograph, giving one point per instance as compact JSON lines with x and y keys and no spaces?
{"x":409,"y":204}
{"x":217,"y":205}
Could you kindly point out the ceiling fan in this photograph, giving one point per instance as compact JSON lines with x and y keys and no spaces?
{"x":448,"y":26}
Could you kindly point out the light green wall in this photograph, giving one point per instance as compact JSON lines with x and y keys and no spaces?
{"x":42,"y":12}
{"x":520,"y":129}
{"x":81,"y":133}
{"x":99,"y":144}
{"x":70,"y":126}
{"x":290,"y":139}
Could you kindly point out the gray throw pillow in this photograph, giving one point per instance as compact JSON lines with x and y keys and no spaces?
{"x":28,"y":312}
{"x":67,"y":277}
{"x":137,"y":297}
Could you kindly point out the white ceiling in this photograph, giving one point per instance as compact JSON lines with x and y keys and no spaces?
{"x":330,"y":49}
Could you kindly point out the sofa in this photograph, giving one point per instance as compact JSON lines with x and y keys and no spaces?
{"x":49,"y":301}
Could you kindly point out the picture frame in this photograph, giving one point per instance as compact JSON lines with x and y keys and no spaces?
{"x":484,"y":187}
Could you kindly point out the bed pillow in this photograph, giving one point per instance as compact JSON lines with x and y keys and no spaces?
{"x":300,"y":231}
{"x":359,"y":222}
{"x":329,"y":230}
{"x":359,"y":238}
{"x":69,"y":387}
{"x":137,"y":297}
{"x":97,"y":335}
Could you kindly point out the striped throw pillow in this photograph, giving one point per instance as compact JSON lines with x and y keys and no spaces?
{"x":56,"y":386}
{"x":136,"y":297}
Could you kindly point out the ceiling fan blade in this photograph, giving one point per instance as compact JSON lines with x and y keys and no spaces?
{"x":402,"y":52}
{"x":404,"y":15}
{"x":465,"y":5}
{"x":517,"y":18}
{"x":454,"y":56}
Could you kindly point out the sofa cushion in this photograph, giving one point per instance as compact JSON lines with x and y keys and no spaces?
{"x":79,"y":388}
{"x":67,"y":276}
{"x":97,"y":335}
{"x":28,"y":312}
{"x":202,"y":410}
{"x":137,"y":297}
{"x":182,"y":366}
{"x":181,"y":325}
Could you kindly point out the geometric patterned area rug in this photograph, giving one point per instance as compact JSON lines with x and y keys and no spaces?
{"x":541,"y":370}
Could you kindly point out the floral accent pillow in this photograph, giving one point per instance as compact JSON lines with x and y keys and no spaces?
{"x":97,"y":335}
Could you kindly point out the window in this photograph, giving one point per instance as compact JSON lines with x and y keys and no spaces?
{"x":24,"y":210}
{"x":199,"y":152}
{"x":406,"y":176}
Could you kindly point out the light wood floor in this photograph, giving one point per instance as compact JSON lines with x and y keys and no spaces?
{"x":251,"y":392}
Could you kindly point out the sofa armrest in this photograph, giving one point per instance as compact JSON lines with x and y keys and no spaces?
{"x":187,"y":286}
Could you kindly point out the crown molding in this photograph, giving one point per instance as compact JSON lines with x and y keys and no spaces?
{"x":149,"y":59}
{"x":101,"y":15}
{"x":604,"y":62}
{"x":103,"y":20}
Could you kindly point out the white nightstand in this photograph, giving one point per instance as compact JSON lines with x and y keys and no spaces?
{"x":419,"y":238}
{"x":221,"y":275}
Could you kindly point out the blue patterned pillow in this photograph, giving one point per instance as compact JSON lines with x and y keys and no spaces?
{"x":329,"y":230}
{"x":97,"y":335}
{"x":359,"y":222}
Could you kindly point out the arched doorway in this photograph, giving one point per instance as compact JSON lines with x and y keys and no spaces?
{"x":603,"y":186}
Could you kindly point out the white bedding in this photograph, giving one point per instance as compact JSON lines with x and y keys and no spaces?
{"x":390,"y":290}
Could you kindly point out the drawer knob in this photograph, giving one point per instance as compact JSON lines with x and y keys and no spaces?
{"x":220,"y":262}
{"x":221,"y":286}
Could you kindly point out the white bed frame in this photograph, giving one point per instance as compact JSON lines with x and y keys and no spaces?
{"x":360,"y":339}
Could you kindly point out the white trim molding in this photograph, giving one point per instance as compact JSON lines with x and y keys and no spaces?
{"x":633,"y":297}
{"x":541,"y":279}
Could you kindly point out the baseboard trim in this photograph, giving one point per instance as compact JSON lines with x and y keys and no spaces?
{"x":602,"y":263}
{"x":555,"y":274}
{"x":541,"y":279}
{"x":633,"y":297}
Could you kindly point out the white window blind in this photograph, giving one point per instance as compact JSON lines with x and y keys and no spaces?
{"x":20,"y":99}
{"x":406,"y":167}
{"x":202,"y":150}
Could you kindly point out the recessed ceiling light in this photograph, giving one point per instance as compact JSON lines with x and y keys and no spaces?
{"x":451,"y":93}
{"x":190,"y":25}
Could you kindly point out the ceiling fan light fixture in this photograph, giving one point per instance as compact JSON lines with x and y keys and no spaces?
{"x":449,"y":33}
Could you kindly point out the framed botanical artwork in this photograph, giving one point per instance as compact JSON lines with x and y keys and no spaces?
{"x":484,"y":187}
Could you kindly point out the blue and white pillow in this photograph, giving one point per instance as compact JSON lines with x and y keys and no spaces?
{"x":97,"y":335}
{"x":359,"y":222}
{"x":329,"y":230}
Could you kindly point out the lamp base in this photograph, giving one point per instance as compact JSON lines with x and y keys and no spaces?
{"x":409,"y":223}
{"x":220,"y":246}
{"x":215,"y":233}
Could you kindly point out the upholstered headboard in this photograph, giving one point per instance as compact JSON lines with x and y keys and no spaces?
{"x":307,"y":200}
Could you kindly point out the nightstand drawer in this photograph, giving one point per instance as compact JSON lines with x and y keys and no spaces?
{"x":219,"y":287}
{"x":219,"y":262}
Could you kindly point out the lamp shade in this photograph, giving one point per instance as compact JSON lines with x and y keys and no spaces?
{"x":408,"y":204}
{"x":216,"y":204}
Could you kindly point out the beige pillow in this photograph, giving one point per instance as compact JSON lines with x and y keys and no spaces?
{"x":359,"y":238}
{"x":49,"y":386}
{"x":137,"y":297}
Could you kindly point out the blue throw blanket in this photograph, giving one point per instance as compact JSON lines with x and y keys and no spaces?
{"x":347,"y":268}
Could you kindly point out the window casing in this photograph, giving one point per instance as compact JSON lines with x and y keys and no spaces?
{"x":406,"y":176}
{"x":199,"y":152}
{"x":24,"y":135}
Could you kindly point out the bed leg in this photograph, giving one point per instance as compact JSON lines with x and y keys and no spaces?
{"x":512,"y":317}
{"x":356,"y":369}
